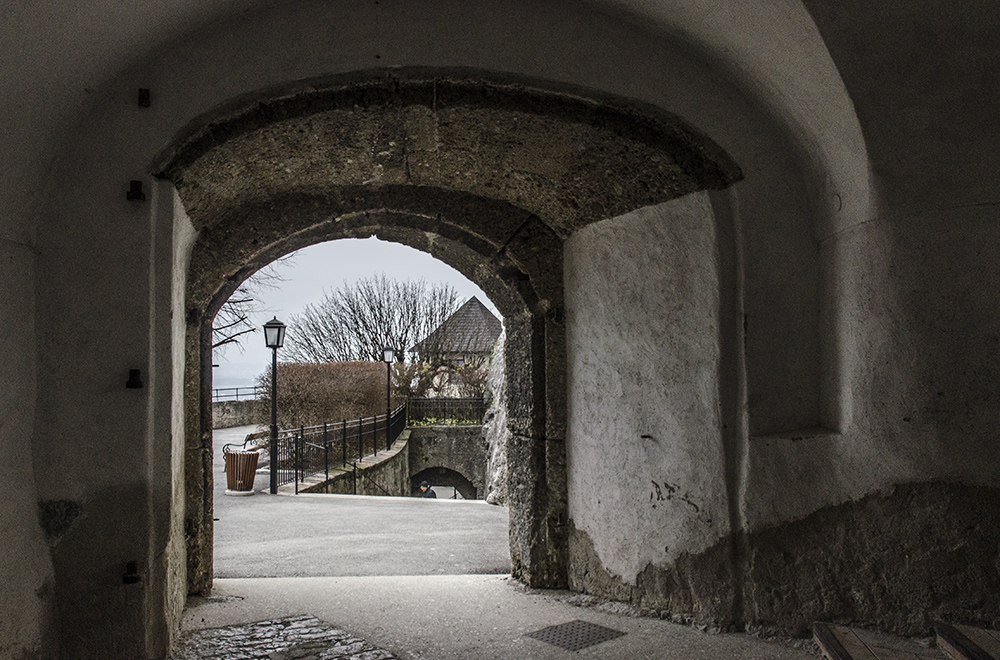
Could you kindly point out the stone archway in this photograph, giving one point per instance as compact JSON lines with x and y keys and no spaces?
{"x":488,"y":173}
{"x":442,"y":476}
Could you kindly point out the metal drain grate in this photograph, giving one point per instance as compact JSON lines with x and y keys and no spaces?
{"x":575,"y":635}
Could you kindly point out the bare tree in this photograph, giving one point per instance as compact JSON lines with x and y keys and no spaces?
{"x":472,"y":378}
{"x":356,"y":321}
{"x":234,"y":321}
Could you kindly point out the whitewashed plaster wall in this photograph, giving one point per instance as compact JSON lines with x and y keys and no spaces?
{"x":644,"y":441}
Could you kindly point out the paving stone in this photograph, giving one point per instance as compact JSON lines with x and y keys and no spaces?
{"x":294,"y":638}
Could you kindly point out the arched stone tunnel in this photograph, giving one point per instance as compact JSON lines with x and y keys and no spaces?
{"x":747,"y":252}
{"x":490,"y":175}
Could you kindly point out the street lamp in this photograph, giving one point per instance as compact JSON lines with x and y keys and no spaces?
{"x":274,"y":337}
{"x":388,"y":356}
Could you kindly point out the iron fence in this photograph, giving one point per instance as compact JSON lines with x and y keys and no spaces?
{"x":446,"y":411}
{"x":310,"y":450}
{"x":237,"y":393}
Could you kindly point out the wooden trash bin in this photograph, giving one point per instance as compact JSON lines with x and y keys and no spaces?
{"x":241,"y":467}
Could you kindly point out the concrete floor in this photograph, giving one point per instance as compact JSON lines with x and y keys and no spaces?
{"x":339,"y":535}
{"x":464,"y":617}
{"x":396,"y":572}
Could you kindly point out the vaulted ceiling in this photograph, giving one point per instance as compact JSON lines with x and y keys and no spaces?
{"x":57,"y":56}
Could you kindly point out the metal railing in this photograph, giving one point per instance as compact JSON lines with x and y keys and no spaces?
{"x":310,"y":450}
{"x":237,"y":393}
{"x":448,"y":411}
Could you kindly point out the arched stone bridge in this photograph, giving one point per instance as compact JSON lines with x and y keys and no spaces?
{"x":449,"y":456}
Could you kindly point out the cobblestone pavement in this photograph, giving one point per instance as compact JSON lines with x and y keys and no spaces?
{"x":293,"y":638}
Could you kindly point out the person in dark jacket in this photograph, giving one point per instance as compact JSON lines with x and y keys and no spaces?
{"x":426,"y":489}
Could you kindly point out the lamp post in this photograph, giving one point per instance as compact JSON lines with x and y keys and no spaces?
{"x":388,"y":355}
{"x":274,"y":337}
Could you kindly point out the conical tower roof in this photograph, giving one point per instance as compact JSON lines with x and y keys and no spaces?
{"x":471,"y":329}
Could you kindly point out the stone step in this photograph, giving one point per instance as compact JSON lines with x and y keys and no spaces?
{"x":968,"y":643}
{"x":844,"y":643}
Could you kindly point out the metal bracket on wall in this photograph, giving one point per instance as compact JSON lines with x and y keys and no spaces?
{"x":134,"y":381}
{"x":135,"y":193}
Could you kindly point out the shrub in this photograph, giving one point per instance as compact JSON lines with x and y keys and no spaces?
{"x":312,"y":393}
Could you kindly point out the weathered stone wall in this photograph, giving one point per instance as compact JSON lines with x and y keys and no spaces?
{"x":495,"y":431}
{"x":929,"y":545}
{"x":458,"y":448}
{"x":182,"y":237}
{"x":227,"y":414}
{"x":390,"y":476}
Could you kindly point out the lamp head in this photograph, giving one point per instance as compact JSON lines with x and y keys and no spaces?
{"x":274,"y":333}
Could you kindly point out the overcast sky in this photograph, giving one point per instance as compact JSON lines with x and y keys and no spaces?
{"x":327,"y":266}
